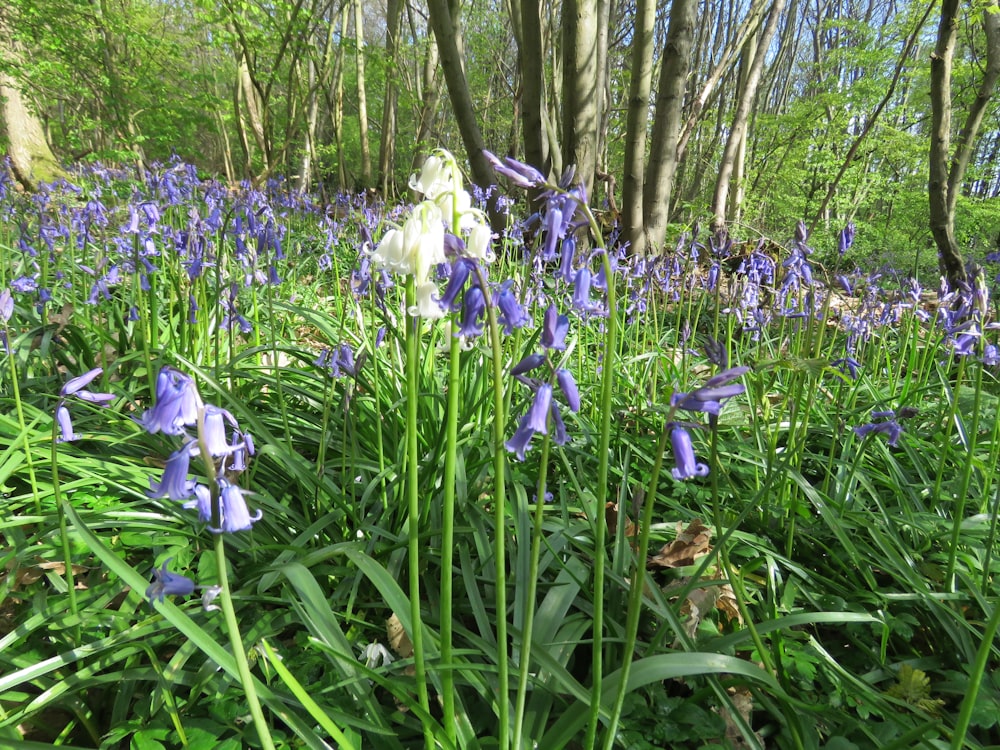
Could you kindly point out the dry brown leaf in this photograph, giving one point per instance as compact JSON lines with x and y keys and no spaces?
{"x":743,"y":703}
{"x":611,"y":516}
{"x":399,"y":641}
{"x":690,"y":544}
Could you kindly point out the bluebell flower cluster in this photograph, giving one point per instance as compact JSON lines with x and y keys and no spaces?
{"x":77,"y":388}
{"x":217,"y":435}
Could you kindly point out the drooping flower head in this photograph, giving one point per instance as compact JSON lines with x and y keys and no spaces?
{"x":167,"y":584}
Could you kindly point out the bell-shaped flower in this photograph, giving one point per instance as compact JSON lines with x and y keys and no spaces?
{"x":168,"y":584}
{"x":687,"y":466}
{"x":427,"y":302}
{"x":528,"y":364}
{"x":480,"y":241}
{"x":568,"y":387}
{"x":215,"y":431}
{"x":73,"y":385}
{"x":235,"y":514}
{"x":512,"y":315}
{"x":539,"y":412}
{"x":177,"y":403}
{"x":473,"y":309}
{"x":202,"y":501}
{"x":66,"y":434}
{"x":175,"y":483}
{"x":554,"y":329}
{"x":521,"y":439}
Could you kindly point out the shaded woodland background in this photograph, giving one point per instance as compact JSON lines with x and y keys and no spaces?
{"x":746,"y":115}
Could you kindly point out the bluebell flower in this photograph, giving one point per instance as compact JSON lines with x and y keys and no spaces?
{"x":177,"y":403}
{"x":687,"y":465}
{"x":521,"y":174}
{"x":529,"y":363}
{"x":521,"y":438}
{"x":235,"y":514}
{"x":73,"y":385}
{"x":566,"y":258}
{"x":512,"y":315}
{"x":175,"y":483}
{"x":890,"y":428}
{"x":473,"y":309}
{"x":539,"y":411}
{"x":65,"y":425}
{"x":460,"y":271}
{"x":215,"y":430}
{"x":168,"y":584}
{"x":559,"y":434}
{"x":581,"y":291}
{"x":710,"y":396}
{"x":6,"y":305}
{"x":202,"y":501}
{"x":554,"y":329}
{"x":567,"y":384}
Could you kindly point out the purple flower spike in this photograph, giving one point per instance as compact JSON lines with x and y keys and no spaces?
{"x":521,"y":439}
{"x":539,"y":411}
{"x":687,"y":465}
{"x":891,"y":429}
{"x":235,"y":515}
{"x":568,"y":386}
{"x":174,"y":483}
{"x":559,"y":435}
{"x":65,"y":425}
{"x":80,"y":381}
{"x":554,"y":329}
{"x":168,"y":584}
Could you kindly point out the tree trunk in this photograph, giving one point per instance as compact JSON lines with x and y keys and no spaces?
{"x":387,"y":145}
{"x":532,"y":84}
{"x":448,"y":35}
{"x":942,"y":220}
{"x":659,"y":182}
{"x":581,"y":97}
{"x":359,"y":39}
{"x":31,"y":157}
{"x":637,"y":122}
{"x":738,"y":130}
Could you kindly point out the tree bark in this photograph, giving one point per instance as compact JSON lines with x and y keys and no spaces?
{"x":387,"y":144}
{"x":637,"y":122}
{"x":942,"y":220}
{"x":659,"y":183}
{"x":31,"y":156}
{"x":366,"y":154}
{"x":581,"y":97}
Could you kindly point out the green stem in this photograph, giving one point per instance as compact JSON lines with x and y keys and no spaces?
{"x":239,"y":650}
{"x":413,"y":505}
{"x":499,"y":521}
{"x":63,"y":534}
{"x":23,"y":430}
{"x":975,"y":680}
{"x":532,"y":583}
{"x":600,"y":525}
{"x":448,"y":540}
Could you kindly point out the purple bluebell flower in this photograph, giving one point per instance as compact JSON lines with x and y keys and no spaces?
{"x":528,"y":364}
{"x":566,"y":258}
{"x":71,"y":386}
{"x":215,"y":430}
{"x":177,"y":403}
{"x":554,"y":329}
{"x":710,"y":396}
{"x":168,"y":584}
{"x":521,"y":174}
{"x":235,"y":514}
{"x":567,"y":385}
{"x":473,"y":309}
{"x":991,"y":355}
{"x":559,"y":434}
{"x":202,"y":501}
{"x":687,"y":465}
{"x":539,"y":411}
{"x":521,"y":438}
{"x":460,"y":271}
{"x":6,"y":305}
{"x":512,"y":315}
{"x":849,"y":364}
{"x":581,"y":291}
{"x":65,"y":425}
{"x":890,"y":428}
{"x":175,"y":483}
{"x":846,"y":238}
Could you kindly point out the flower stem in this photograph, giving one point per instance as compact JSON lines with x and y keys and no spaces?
{"x":413,"y":505}
{"x":239,"y":651}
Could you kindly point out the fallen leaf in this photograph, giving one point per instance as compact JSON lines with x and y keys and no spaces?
{"x":690,"y":544}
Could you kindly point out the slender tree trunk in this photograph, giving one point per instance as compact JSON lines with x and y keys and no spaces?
{"x":387,"y":145}
{"x":637,"y":123}
{"x":659,"y":183}
{"x":942,"y":220}
{"x":738,"y":130}
{"x":532,"y":84}
{"x":581,"y":96}
{"x":312,"y":117}
{"x":428,"y":103}
{"x":366,"y":154}
{"x":448,"y":35}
